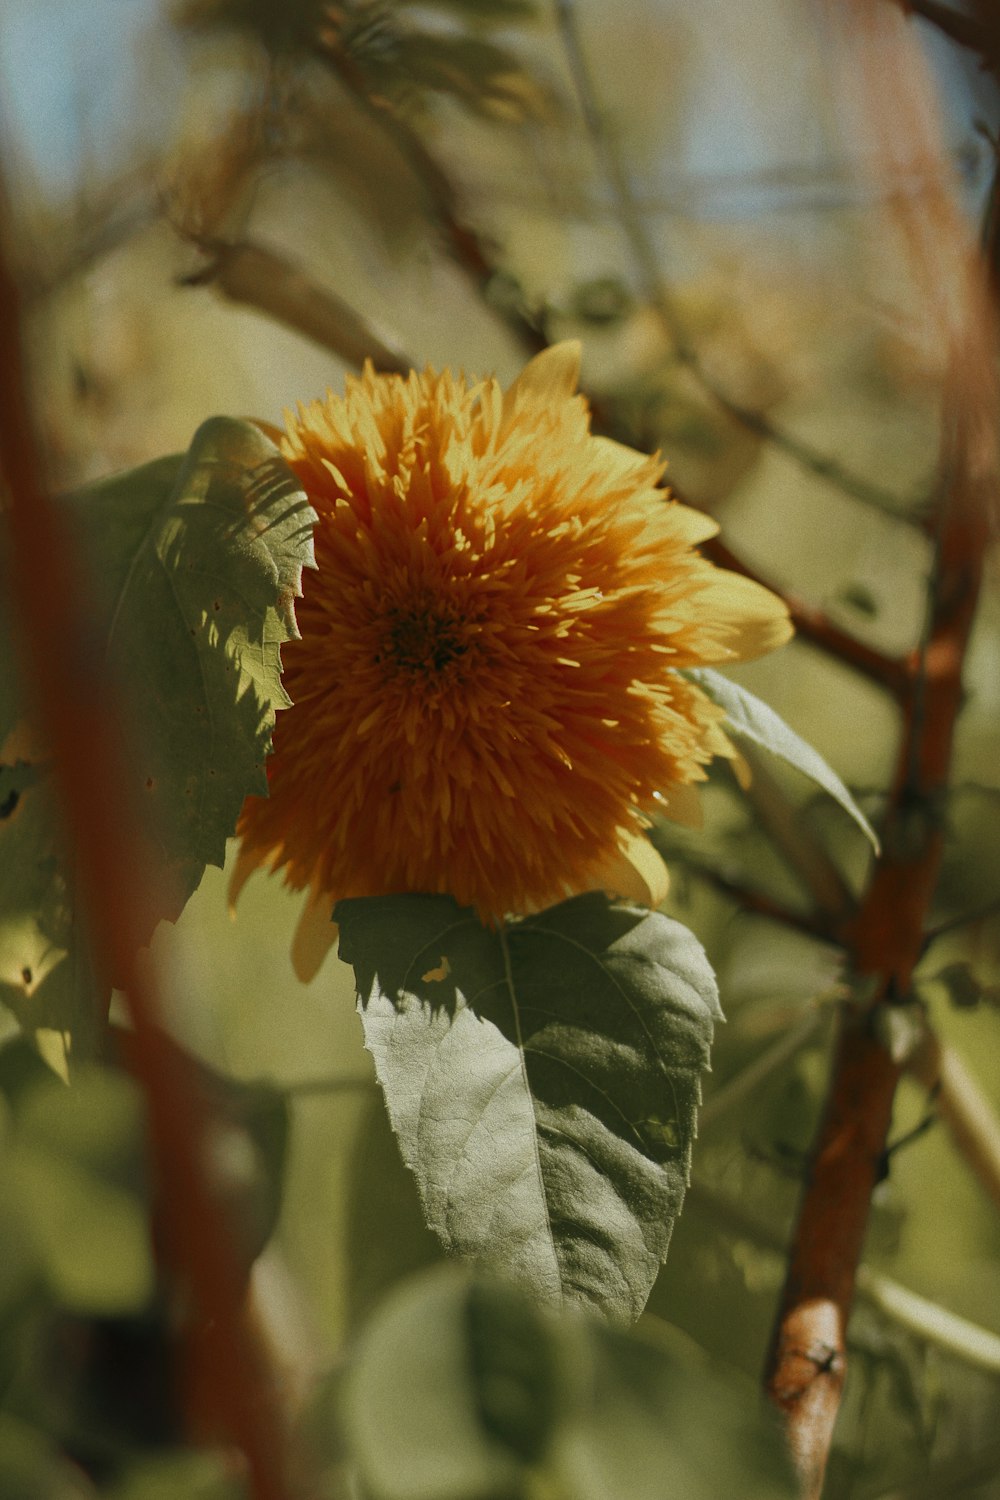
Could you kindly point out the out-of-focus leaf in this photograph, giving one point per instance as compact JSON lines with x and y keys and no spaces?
{"x":542,"y":1078}
{"x":483,"y":12}
{"x":195,"y":562}
{"x":31,"y":1468}
{"x":22,"y":1070}
{"x":72,"y":1173}
{"x":485,"y":78}
{"x":387,"y":1238}
{"x":463,"y":1390}
{"x":191,"y":1475}
{"x":750,"y":720}
{"x":38,"y":983}
{"x":964,"y":988}
{"x":602,"y":301}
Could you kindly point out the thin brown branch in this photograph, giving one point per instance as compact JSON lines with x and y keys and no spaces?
{"x":807,"y":1361}
{"x":814,"y":924}
{"x":812,"y":624}
{"x":262,"y":278}
{"x":963,"y":919}
{"x":77,"y":715}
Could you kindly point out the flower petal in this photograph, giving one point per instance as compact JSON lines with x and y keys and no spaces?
{"x":315,"y":935}
{"x":550,"y":377}
{"x":635,"y":871}
{"x":749,"y":620}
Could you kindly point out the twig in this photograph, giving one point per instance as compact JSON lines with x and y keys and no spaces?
{"x":889,"y":672}
{"x":767,"y":1062}
{"x":813,"y":924}
{"x":807,"y":859}
{"x":964,"y":919}
{"x":262,"y":278}
{"x":926,"y":1320}
{"x":78,"y":716}
{"x":961,"y":1103}
{"x":660,"y":299}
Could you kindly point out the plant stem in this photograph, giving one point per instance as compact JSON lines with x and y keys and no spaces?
{"x":889,"y":672}
{"x":807,"y":1361}
{"x":77,"y":713}
{"x":262,"y":278}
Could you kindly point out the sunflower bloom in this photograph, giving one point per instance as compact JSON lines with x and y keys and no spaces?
{"x":485,"y":695}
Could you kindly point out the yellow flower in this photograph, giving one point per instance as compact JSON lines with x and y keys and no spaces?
{"x":485,"y":697}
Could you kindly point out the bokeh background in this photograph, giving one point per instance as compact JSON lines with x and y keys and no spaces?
{"x":145,"y":144}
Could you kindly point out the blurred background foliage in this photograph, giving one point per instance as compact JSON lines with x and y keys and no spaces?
{"x":197,"y":186}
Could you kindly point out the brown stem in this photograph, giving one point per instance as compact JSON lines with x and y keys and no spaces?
{"x":76,"y":711}
{"x":807,"y":1360}
{"x":262,"y":278}
{"x":815,"y":924}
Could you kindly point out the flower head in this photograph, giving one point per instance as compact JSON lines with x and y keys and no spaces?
{"x":485,"y":696}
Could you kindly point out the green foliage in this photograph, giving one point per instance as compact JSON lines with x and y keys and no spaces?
{"x":196,"y":561}
{"x":749,"y":721}
{"x":549,"y":1069}
{"x":199,"y":559}
{"x":74,"y":1215}
{"x":465,"y":1390}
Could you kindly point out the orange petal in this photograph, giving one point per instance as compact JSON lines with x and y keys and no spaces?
{"x":635,"y":871}
{"x":551,"y":376}
{"x":246,"y":863}
{"x":754,"y":620}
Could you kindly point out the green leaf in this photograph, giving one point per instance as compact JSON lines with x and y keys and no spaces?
{"x":41,"y":983}
{"x":32,"y":1468}
{"x":752,"y":721}
{"x":484,"y":12}
{"x":72,"y":1174}
{"x":200,"y":559}
{"x":464,"y":1390}
{"x":170,"y":1476}
{"x":542,"y":1078}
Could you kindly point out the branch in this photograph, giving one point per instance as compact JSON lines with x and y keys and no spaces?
{"x":262,"y":278}
{"x":926,"y":1320}
{"x":658,"y":295}
{"x":963,"y":1106}
{"x":889,"y":672}
{"x":756,"y":903}
{"x":807,"y":1361}
{"x":78,"y":716}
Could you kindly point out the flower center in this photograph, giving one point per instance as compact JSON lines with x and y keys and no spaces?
{"x":421,"y":639}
